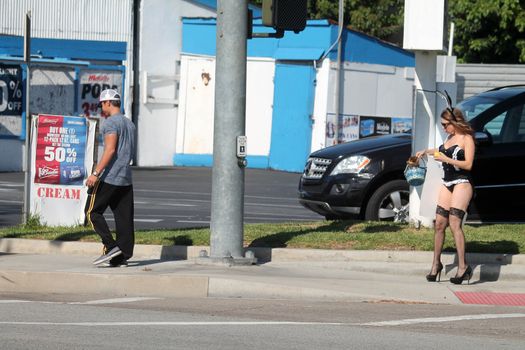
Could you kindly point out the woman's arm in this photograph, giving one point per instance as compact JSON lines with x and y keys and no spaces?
{"x":426,"y":151}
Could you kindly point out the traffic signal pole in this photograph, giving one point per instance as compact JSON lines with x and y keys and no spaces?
{"x":234,"y":26}
{"x":227,"y":207}
{"x":27,"y":147}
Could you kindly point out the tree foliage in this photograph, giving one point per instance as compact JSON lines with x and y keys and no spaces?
{"x":486,"y":31}
{"x":489,"y":31}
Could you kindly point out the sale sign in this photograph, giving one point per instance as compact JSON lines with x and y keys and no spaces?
{"x":92,"y":83}
{"x":60,"y":150}
{"x":62,"y":154}
{"x":10,"y":99}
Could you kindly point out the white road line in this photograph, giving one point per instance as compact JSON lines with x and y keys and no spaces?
{"x":208,"y":194}
{"x":139,"y":220}
{"x":155,"y":200}
{"x":11,"y":184}
{"x":14,"y":301}
{"x":165,"y":215}
{"x":277,"y":214}
{"x":112,"y":301}
{"x":153,"y":203}
{"x":6,"y":201}
{"x":441,"y":319}
{"x":105,"y":324}
{"x":193,"y":222}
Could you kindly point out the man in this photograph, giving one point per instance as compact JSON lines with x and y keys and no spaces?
{"x":111,"y":185}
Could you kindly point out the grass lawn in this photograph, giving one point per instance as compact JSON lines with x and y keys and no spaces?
{"x":359,"y":235}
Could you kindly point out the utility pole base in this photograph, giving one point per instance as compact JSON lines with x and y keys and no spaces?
{"x":248,"y":260}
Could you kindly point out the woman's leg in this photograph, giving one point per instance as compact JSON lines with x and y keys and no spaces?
{"x":458,"y":206}
{"x":440,"y":225}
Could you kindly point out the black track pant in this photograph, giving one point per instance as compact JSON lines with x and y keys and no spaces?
{"x":120,"y":200}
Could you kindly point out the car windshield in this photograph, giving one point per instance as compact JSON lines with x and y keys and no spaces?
{"x":473,"y":106}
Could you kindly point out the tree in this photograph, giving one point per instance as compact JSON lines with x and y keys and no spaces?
{"x":489,"y":31}
{"x":380,"y":18}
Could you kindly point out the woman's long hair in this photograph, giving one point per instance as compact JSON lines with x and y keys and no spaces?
{"x":455,"y":116}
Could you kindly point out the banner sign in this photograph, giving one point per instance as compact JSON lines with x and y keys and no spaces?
{"x":60,"y":150}
{"x":10,"y":99}
{"x":92,"y":83}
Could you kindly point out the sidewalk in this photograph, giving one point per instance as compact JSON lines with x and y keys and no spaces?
{"x":65,"y":267}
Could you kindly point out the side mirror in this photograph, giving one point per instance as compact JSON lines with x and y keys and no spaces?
{"x":483,"y":138}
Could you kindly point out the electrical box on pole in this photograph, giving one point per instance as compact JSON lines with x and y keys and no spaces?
{"x":285,"y":15}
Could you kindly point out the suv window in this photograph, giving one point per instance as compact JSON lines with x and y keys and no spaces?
{"x":509,"y":126}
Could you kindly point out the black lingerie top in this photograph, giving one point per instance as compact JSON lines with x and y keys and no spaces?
{"x":452,"y":173}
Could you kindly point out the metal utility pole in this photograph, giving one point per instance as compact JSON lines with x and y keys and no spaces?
{"x":27,"y":151}
{"x":229,"y":143}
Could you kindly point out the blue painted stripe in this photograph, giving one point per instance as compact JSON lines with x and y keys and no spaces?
{"x":206,"y":160}
{"x":65,"y":48}
{"x":289,"y":53}
{"x":198,"y":37}
{"x":45,"y":61}
{"x":24,"y":121}
{"x":9,"y":137}
{"x":193,"y":160}
{"x":359,"y":47}
{"x":258,"y":162}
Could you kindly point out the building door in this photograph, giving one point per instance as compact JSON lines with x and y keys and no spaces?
{"x":292,"y":116}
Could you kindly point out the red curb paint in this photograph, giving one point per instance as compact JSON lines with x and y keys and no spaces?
{"x":487,"y":298}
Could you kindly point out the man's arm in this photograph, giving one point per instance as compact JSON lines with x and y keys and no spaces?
{"x":110,"y":148}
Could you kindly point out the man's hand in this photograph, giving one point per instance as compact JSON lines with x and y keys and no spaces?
{"x":91,"y":180}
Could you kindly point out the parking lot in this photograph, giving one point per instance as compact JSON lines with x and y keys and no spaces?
{"x":181,"y":197}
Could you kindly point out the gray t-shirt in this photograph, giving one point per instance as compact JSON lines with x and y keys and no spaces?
{"x":118,"y":171}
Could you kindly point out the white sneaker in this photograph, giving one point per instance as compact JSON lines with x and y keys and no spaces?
{"x":108,"y":256}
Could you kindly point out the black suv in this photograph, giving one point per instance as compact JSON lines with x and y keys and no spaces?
{"x":364,"y":178}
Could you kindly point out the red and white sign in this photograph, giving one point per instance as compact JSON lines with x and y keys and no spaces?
{"x":62,"y":152}
{"x":92,"y":83}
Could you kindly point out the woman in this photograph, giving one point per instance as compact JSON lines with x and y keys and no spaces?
{"x":457,"y":156}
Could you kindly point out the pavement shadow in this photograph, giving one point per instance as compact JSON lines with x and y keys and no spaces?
{"x":488,"y":272}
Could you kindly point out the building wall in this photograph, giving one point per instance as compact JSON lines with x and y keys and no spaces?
{"x":475,"y":78}
{"x":53,"y":86}
{"x":160,"y":48}
{"x":196,"y":112}
{"x":374,"y":92}
{"x":321,"y":102}
{"x":106,"y":20}
{"x":102,"y":20}
{"x":377,"y":80}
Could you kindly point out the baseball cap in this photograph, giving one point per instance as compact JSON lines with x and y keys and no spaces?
{"x":109,"y":95}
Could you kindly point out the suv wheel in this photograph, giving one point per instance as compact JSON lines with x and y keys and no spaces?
{"x":389,"y":202}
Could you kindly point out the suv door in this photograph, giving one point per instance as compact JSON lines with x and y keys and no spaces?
{"x":499,"y":183}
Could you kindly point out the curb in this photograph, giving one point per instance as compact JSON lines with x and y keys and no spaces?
{"x":144,"y":251}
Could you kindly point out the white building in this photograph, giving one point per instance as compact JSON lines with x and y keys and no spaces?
{"x":160,"y":53}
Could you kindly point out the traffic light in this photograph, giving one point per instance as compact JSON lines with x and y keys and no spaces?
{"x":285,"y":14}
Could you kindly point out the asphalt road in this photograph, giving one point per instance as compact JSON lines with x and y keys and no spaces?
{"x":103,"y":322}
{"x":181,"y":197}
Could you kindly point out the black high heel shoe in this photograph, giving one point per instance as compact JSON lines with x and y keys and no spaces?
{"x":432,"y":278}
{"x":465,"y":276}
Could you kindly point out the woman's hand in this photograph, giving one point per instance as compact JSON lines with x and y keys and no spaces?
{"x":421,"y":153}
{"x":440,"y":157}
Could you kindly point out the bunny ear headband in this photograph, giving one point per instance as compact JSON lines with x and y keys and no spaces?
{"x":447,"y":98}
{"x":449,"y":104}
